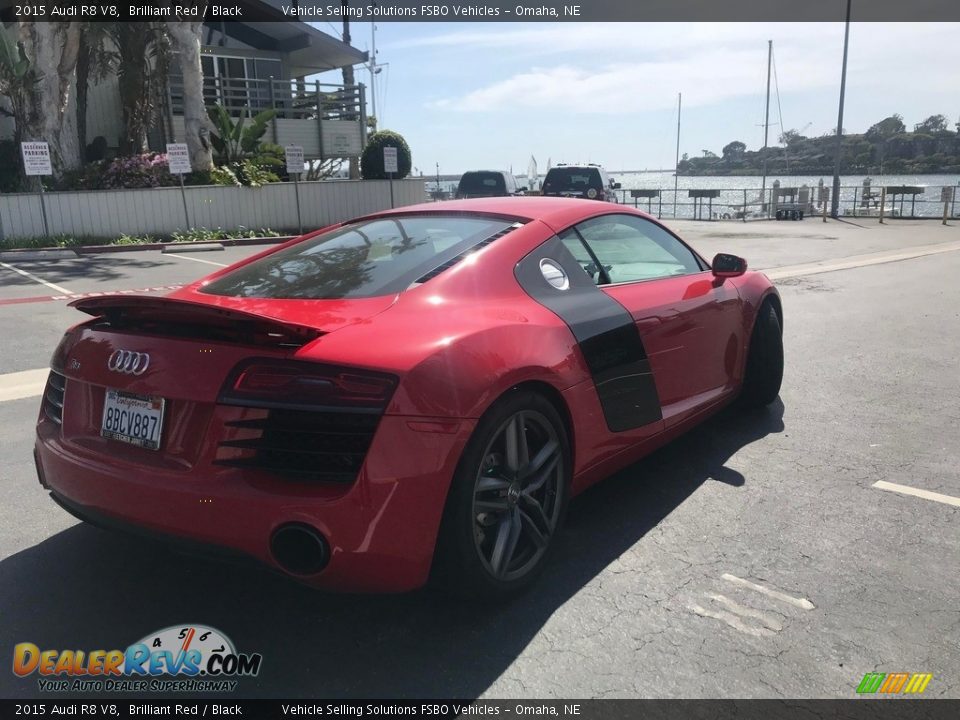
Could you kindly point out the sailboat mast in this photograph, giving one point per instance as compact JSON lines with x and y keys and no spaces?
{"x":766,"y":129}
{"x":676,"y":164}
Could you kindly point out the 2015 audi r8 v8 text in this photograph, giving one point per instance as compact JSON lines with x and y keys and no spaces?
{"x":416,"y":392}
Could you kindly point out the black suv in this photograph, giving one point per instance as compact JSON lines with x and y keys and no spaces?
{"x":486,"y":183}
{"x":586,"y":181}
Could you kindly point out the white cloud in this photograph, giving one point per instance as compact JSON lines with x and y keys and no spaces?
{"x":611,"y":68}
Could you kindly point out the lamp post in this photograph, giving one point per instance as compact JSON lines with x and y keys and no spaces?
{"x":835,"y":200}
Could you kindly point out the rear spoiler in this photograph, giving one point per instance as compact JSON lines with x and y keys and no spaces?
{"x":188,"y":319}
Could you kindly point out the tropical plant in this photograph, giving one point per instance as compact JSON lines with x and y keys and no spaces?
{"x":15,"y":77}
{"x":371,"y":161}
{"x":234,"y":141}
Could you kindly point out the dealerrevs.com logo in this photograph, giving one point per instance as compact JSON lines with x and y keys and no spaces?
{"x":188,"y":658}
{"x":894,"y":683}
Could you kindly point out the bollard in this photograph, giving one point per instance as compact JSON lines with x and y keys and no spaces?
{"x":883,"y":201}
{"x":826,"y":199}
{"x":946,"y":209}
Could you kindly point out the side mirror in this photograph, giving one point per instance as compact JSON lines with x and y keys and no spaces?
{"x":726,"y":265}
{"x":615,"y":185}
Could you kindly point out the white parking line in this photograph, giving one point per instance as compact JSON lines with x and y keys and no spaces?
{"x":33,"y":277}
{"x":917,"y":492}
{"x":775,"y":594}
{"x":733,"y":621}
{"x":184,"y":257}
{"x":738,"y":609}
{"x":19,"y":385}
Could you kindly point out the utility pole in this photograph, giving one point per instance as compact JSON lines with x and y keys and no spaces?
{"x":349,"y":81}
{"x":835,"y":200}
{"x":374,"y":71}
{"x":766,"y":133}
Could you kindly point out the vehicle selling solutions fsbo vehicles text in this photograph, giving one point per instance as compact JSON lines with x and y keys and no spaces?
{"x":437,"y":10}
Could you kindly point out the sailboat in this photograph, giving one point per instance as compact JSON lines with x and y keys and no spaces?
{"x":532,"y":174}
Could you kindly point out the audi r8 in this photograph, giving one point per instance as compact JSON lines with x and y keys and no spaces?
{"x":412,"y":394}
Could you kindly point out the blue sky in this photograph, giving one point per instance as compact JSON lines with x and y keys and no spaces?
{"x":488,"y":95}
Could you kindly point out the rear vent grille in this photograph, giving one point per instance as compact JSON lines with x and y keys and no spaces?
{"x":459,"y":258}
{"x":311,"y":446}
{"x":53,"y":397}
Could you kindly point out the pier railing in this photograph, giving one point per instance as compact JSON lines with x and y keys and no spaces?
{"x":750,"y":204}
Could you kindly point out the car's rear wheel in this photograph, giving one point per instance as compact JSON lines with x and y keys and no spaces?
{"x":764,"y":372}
{"x":507,"y":501}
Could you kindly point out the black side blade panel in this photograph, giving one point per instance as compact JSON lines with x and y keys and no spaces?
{"x":606,"y":333}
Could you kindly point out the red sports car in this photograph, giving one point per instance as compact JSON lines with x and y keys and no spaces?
{"x":415,"y":392}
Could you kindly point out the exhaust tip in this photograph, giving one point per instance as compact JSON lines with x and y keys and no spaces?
{"x":299,"y":549}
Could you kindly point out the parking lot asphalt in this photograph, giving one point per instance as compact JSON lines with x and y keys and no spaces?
{"x":754,"y":557}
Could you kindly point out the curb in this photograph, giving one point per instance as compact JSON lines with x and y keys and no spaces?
{"x":24,"y":253}
{"x":32,"y":254}
{"x":200,"y":247}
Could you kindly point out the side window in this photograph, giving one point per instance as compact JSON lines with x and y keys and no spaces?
{"x":631,"y":248}
{"x":581,"y":255}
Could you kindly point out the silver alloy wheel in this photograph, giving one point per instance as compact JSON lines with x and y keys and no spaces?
{"x":517,"y":495}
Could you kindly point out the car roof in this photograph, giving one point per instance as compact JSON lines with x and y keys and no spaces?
{"x":557,"y":212}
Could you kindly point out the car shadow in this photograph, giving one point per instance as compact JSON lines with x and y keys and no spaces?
{"x":86,"y":589}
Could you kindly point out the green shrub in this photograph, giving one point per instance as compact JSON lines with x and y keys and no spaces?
{"x":193,"y":235}
{"x":371,"y":161}
{"x":251,"y":174}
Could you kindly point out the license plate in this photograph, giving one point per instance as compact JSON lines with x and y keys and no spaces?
{"x":134,"y":419}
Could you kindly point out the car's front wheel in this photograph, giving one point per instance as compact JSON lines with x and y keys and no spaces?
{"x":507,"y":500}
{"x":764,"y":372}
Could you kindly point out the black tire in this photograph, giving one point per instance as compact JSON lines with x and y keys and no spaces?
{"x":764,"y":372}
{"x":469,"y":533}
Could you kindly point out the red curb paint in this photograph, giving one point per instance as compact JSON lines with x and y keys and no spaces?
{"x":78,"y":296}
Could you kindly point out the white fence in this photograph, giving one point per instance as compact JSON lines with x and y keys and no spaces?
{"x":160,"y":211}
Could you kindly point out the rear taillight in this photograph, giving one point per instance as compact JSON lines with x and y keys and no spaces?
{"x":58,"y":361}
{"x":307,"y":386}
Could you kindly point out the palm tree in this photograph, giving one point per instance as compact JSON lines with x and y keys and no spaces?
{"x":94,"y":62}
{"x":16,"y":78}
{"x":142,"y":63}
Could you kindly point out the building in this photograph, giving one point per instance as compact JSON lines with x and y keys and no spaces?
{"x":249,"y":67}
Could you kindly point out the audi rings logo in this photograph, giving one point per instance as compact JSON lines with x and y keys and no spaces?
{"x":127,"y":361}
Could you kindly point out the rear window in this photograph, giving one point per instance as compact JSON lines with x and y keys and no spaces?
{"x":482,"y":183}
{"x":572,"y":180}
{"x":365,"y":259}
